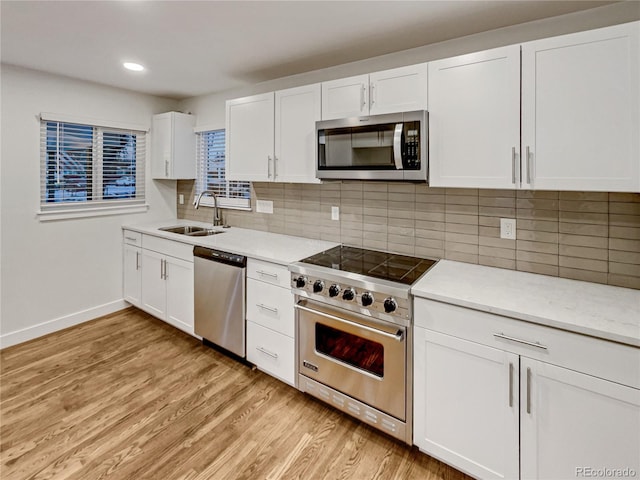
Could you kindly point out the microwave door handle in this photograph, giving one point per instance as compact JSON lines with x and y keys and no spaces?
{"x":397,"y":146}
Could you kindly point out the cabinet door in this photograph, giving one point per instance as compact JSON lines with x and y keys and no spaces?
{"x":346,"y":97}
{"x":474,"y":120}
{"x":161,"y":146}
{"x":296,"y":112}
{"x":571,"y":422}
{"x":398,"y":90}
{"x":179,"y":284}
{"x":580,"y":110}
{"x":132,"y":278}
{"x":249,"y":138}
{"x":154,"y":296}
{"x":466,"y":404}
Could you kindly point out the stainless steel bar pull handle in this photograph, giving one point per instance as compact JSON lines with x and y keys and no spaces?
{"x":275,"y":167}
{"x":263,"y":306}
{"x":137,"y":260}
{"x":362,"y":100}
{"x":397,"y":146}
{"x":267,"y":352}
{"x":268,"y":274}
{"x":510,"y":384}
{"x":513,"y":165}
{"x":528,"y":390}
{"x":519,"y":340}
{"x":372,"y":97}
{"x":528,"y":164}
{"x":131,"y":239}
{"x":268,"y":166}
{"x":166,"y":168}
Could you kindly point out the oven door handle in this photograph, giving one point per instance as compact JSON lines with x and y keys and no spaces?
{"x":399,"y":336}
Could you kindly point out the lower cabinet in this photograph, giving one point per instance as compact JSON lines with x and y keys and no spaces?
{"x":558,"y":406}
{"x":270,"y":320}
{"x":158,"y":278}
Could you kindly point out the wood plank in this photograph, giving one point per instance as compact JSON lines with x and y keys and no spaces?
{"x":128,"y":396}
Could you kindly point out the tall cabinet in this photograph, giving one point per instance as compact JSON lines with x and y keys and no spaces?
{"x":579,"y":110}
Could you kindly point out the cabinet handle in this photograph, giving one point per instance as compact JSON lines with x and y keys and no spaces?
{"x":166,"y":168}
{"x":263,"y":306}
{"x":362,"y":100}
{"x":528,"y":165}
{"x":268,"y":166}
{"x":372,"y":97}
{"x":131,"y":239}
{"x":528,"y":390}
{"x":275,"y":167}
{"x":137,"y":260}
{"x":510,"y":384}
{"x":513,"y":165}
{"x":267,"y":352}
{"x":262,"y":272}
{"x":518,"y":340}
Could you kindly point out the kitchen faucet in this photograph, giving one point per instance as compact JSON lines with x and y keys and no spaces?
{"x":216,"y":216}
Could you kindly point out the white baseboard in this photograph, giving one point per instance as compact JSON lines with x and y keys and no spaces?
{"x":26,"y":334}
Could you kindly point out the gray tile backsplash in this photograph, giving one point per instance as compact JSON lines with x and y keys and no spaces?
{"x":593,"y":236}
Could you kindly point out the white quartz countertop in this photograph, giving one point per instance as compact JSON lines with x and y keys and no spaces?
{"x":602,"y":311}
{"x":271,"y":247}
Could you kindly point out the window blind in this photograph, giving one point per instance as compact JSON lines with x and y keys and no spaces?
{"x":89,"y":166}
{"x":211,"y":173}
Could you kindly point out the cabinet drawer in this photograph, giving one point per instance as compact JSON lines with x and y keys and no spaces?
{"x":270,"y":306}
{"x":168,"y":247}
{"x":601,"y":358}
{"x":271,"y":352}
{"x":268,"y":272}
{"x":132,"y":238}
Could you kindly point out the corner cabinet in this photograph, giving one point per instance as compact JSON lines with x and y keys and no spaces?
{"x":271,"y":137}
{"x":390,"y":91}
{"x":579,"y":106}
{"x":173,"y":146}
{"x":499,"y":398}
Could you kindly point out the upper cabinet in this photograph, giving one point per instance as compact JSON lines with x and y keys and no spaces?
{"x":579,"y":110}
{"x":398,"y":90}
{"x":271,"y":137}
{"x":173,"y":150}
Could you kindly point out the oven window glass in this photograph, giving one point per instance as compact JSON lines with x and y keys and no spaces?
{"x":348,"y":348}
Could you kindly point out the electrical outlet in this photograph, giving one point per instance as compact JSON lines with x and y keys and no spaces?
{"x":264,"y":206}
{"x":181,"y":199}
{"x":335,"y":213}
{"x":508,"y":228}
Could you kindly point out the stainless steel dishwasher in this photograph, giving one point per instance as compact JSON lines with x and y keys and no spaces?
{"x":219,"y":304}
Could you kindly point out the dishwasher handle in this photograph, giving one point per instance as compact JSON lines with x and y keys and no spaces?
{"x":219,"y":256}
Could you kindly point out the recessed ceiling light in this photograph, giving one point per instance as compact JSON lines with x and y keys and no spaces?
{"x":136,"y":67}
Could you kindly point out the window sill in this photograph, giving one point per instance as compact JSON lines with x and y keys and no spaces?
{"x":52,"y":215}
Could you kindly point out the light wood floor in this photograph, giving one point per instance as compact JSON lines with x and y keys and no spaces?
{"x":128,"y":397}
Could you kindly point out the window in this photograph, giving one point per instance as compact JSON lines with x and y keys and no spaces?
{"x":211,"y":173}
{"x":88,"y":167}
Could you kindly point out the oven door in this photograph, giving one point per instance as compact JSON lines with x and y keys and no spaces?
{"x":356,"y":355}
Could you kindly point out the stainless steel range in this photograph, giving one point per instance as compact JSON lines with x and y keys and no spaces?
{"x":354,"y":315}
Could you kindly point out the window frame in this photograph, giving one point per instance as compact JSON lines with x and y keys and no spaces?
{"x":97,"y":205}
{"x":226,"y":201}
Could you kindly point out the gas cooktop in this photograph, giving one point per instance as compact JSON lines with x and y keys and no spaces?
{"x":372,"y":263}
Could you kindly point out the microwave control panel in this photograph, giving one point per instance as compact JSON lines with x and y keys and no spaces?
{"x":411,"y":147}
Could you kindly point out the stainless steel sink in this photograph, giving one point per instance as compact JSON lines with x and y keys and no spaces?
{"x":191,"y":230}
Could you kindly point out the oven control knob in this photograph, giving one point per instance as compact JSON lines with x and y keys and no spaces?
{"x":301,"y":281}
{"x":367,"y":299}
{"x":349,"y":294}
{"x":318,"y":286}
{"x":334,"y":290}
{"x":390,"y":305}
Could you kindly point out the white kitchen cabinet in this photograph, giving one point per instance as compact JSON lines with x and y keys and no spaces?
{"x":474,"y":120}
{"x":390,"y":91}
{"x":132,"y":272}
{"x":270,"y":320}
{"x":173,"y":146}
{"x":581,"y":110}
{"x":571,"y":422}
{"x":494,"y":396}
{"x":167,"y":282}
{"x":271,"y":137}
{"x":577,"y":98}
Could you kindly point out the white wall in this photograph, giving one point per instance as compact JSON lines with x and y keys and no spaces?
{"x":210,"y":109}
{"x":59,"y":273}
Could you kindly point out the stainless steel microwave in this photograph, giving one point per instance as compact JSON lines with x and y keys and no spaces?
{"x":378,"y":147}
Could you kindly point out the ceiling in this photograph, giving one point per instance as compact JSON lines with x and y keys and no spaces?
{"x":196,"y":47}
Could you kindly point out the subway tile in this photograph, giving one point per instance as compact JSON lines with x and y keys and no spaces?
{"x":428,"y":225}
{"x":625,"y":245}
{"x":624,"y":220}
{"x":484,"y":231}
{"x":429,"y":216}
{"x":536,"y":204}
{"x":375,"y":244}
{"x":584,"y":196}
{"x":496,"y":193}
{"x":406,"y":198}
{"x":489,"y":221}
{"x":540,"y":268}
{"x":428,"y":252}
{"x":497,"y":252}
{"x":497,"y":212}
{"x":583,"y":240}
{"x":629,"y":269}
{"x":539,"y":247}
{"x":430,"y":208}
{"x":458,"y":218}
{"x":461,"y":238}
{"x":461,"y":228}
{"x":497,"y":242}
{"x":351,"y":241}
{"x":401,"y":187}
{"x":584,"y":206}
{"x":497,"y":262}
{"x":401,"y":213}
{"x":401,"y":249}
{"x":461,"y":209}
{"x":625,"y":257}
{"x":584,"y":252}
{"x":583,"y":263}
{"x":584,"y":218}
{"x":623,"y":281}
{"x":465,"y":192}
{"x":430,"y":199}
{"x":375,"y":220}
{"x":394,"y":239}
{"x":461,"y":257}
{"x":429,"y":243}
{"x":401,"y":223}
{"x":584,"y":229}
{"x":536,"y":236}
{"x":451,"y":246}
{"x":429,"y":234}
{"x":628,"y":233}
{"x":374,"y":196}
{"x":537,"y":194}
{"x":497,"y":202}
{"x":375,"y":187}
{"x":536,"y":214}
{"x":624,"y":197}
{"x":584,"y":275}
{"x":379,"y":236}
{"x":536,"y":257}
